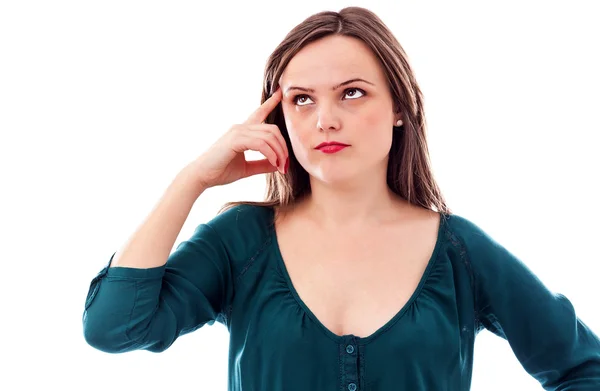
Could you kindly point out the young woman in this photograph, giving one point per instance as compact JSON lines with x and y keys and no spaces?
{"x":353,"y":274}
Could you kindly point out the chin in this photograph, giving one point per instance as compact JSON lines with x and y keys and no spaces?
{"x":335,"y":175}
{"x":344,"y":173}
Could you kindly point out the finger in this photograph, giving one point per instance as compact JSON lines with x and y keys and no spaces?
{"x":273,"y":142}
{"x":263,"y":111}
{"x":255,"y":167}
{"x":261,"y":145}
{"x":272,"y":135}
{"x":260,"y":140}
{"x":277,"y":132}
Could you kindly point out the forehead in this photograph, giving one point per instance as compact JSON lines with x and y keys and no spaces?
{"x":331,"y":59}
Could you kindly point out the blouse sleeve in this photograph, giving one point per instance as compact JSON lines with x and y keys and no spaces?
{"x":131,"y":308}
{"x":550,"y":341}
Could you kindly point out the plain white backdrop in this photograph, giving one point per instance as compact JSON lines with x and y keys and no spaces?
{"x":102,"y":103}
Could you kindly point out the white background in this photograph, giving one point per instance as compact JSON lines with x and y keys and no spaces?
{"x":102,"y":103}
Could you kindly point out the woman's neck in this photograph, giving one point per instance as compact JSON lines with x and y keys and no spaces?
{"x":351,"y":206}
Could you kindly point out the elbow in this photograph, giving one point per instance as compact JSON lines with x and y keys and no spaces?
{"x":106,"y":337}
{"x":585,"y":375}
{"x":110,"y":337}
{"x":100,"y":342}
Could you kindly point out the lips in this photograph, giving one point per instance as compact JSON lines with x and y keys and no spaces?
{"x":331,"y":147}
{"x":331,"y":144}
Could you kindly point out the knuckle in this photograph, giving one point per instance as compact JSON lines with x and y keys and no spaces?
{"x":236,"y":128}
{"x":262,"y":143}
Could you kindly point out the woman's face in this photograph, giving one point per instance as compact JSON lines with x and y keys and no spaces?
{"x":319,"y":106}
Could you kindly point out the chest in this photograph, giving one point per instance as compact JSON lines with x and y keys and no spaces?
{"x":355,"y":284}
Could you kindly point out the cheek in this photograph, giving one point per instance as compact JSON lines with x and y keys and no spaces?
{"x":380,"y":142}
{"x":299,"y":141}
{"x":375,"y":117}
{"x":380,"y":132}
{"x":298,"y":138}
{"x":300,"y":145}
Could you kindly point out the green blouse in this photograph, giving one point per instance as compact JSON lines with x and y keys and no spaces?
{"x":231,"y":271}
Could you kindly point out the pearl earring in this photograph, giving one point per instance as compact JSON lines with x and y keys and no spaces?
{"x":399,"y":122}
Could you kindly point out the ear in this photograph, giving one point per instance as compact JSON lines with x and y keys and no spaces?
{"x":397,"y":110}
{"x":398,"y":117}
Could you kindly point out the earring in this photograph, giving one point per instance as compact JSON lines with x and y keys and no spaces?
{"x":399,"y":122}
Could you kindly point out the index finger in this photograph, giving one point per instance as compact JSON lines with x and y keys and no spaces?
{"x":260,"y":115}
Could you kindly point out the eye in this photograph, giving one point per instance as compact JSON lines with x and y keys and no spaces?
{"x":355,"y":89}
{"x":300,"y":100}
{"x":299,"y":97}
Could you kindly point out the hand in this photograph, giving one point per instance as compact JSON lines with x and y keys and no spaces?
{"x":224,"y":162}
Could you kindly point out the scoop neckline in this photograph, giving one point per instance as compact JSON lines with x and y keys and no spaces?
{"x":382,"y":329}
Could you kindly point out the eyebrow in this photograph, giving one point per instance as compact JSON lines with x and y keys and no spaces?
{"x":333,"y":88}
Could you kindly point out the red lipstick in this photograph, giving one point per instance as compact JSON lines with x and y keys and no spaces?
{"x":331,"y":147}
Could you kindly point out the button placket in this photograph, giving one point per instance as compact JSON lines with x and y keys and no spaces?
{"x":349,"y":361}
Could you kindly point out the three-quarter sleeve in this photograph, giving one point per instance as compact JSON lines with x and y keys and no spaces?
{"x":132,"y":308}
{"x":547,"y":337}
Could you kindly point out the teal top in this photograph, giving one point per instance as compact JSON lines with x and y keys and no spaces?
{"x":231,"y":271}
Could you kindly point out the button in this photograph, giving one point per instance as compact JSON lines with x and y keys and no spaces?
{"x":352,"y":387}
{"x":350,"y":349}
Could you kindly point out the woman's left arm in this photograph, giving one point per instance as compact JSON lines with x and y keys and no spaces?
{"x":550,"y":341}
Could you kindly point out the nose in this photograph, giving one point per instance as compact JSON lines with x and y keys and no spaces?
{"x":327,"y":119}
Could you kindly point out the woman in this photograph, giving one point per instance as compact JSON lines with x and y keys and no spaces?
{"x":353,"y":274}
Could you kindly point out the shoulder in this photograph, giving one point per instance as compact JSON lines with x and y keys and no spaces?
{"x":480,"y":251}
{"x":467,"y":232}
{"x":243,"y":229}
{"x":242,"y":217}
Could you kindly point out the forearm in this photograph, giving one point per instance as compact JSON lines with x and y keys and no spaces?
{"x":153,"y":241}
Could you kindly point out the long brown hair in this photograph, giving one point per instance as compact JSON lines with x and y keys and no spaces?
{"x":409,"y":170}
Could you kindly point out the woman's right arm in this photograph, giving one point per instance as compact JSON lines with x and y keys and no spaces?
{"x":146,"y":298}
{"x":151,"y":244}
{"x":136,"y":302}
